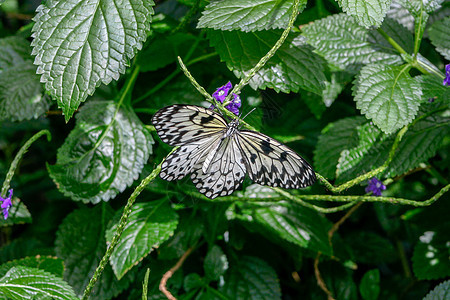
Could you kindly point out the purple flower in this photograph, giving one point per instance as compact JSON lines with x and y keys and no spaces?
{"x":375,"y":186}
{"x":447,"y":75}
{"x":6,"y":204}
{"x":221,"y":93}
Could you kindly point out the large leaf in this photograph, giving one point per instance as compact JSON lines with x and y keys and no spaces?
{"x":21,"y":96}
{"x":347,"y":45}
{"x":30,"y":283}
{"x":247,"y":15}
{"x":293,"y":66}
{"x":387,"y":95}
{"x":441,"y":292}
{"x":83,"y":248}
{"x":103,"y":154}
{"x":149,"y":224}
{"x":430,"y":259}
{"x":293,"y":223}
{"x":80,"y":44}
{"x":49,"y":264}
{"x":368,"y":13}
{"x":440,"y":38}
{"x":251,"y":278}
{"x":335,"y":138}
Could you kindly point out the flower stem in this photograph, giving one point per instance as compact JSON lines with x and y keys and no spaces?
{"x":120,"y":227}
{"x":19,"y":155}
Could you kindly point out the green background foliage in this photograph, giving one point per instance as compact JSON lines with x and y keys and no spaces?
{"x":355,"y":88}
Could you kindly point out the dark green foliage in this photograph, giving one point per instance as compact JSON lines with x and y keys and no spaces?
{"x":356,"y":86}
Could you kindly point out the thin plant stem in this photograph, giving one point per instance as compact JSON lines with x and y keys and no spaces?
{"x":18,"y":157}
{"x":168,"y":274}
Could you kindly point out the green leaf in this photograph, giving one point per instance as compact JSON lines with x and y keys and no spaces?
{"x":335,"y":138}
{"x":370,"y":248}
{"x":251,"y":278}
{"x":438,"y":33}
{"x":192,"y":281}
{"x":49,"y":264}
{"x":149,"y":224}
{"x":30,"y":283}
{"x":398,"y":12}
{"x":430,"y":258}
{"x":432,"y":88}
{"x":83,"y":248}
{"x":216,"y":263}
{"x":20,"y":248}
{"x":18,"y":214}
{"x":417,"y":7}
{"x":399,"y":33}
{"x":293,"y":223}
{"x":368,"y":13}
{"x":339,"y":280}
{"x":347,"y":45}
{"x":21,"y":95}
{"x":247,"y":15}
{"x":103,"y":154}
{"x":370,"y":285}
{"x":387,"y":95}
{"x":293,"y":66}
{"x":368,"y":135}
{"x":440,"y":292}
{"x":80,"y":44}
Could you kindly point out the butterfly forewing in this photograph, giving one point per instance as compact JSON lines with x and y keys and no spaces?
{"x":178,"y":125}
{"x":271,"y":163}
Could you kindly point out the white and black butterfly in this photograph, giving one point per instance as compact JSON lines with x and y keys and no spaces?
{"x":218,"y":155}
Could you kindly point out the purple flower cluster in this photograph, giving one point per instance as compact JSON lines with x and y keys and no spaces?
{"x":221,"y":93}
{"x":6,"y":204}
{"x":447,"y":75}
{"x":375,"y":186}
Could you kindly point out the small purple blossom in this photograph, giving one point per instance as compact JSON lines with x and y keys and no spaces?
{"x":375,"y":186}
{"x":447,"y":75}
{"x":221,"y":93}
{"x":6,"y":204}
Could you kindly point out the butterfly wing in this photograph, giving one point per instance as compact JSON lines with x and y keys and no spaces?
{"x":225,"y":173}
{"x":178,"y":125}
{"x":271,"y":163}
{"x":181,"y":161}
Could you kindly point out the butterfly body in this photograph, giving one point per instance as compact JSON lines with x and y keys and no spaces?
{"x":217,"y":155}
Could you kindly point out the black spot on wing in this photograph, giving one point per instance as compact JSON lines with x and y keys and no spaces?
{"x":265,"y":147}
{"x":253,"y":158}
{"x":205,"y":120}
{"x":283,"y":156}
{"x":192,"y":117}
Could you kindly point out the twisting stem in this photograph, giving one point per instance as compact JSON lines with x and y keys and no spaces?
{"x":121,"y":227}
{"x":244,"y":81}
{"x":19,"y":155}
{"x":168,"y":274}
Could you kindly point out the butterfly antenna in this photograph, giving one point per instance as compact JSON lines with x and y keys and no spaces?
{"x":248,"y":113}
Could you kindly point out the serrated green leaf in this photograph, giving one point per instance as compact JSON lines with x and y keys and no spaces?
{"x":335,"y":138}
{"x":80,"y":44}
{"x":149,"y":224}
{"x":83,"y":248}
{"x":18,"y":214}
{"x":216,"y":263}
{"x":103,"y":154}
{"x":347,"y":45}
{"x":368,"y":135}
{"x":370,"y":285}
{"x":399,"y":13}
{"x":30,"y":283}
{"x":430,"y":258}
{"x":296,"y":224}
{"x":21,"y":95}
{"x":418,"y":145}
{"x":251,"y":278}
{"x":370,"y":248}
{"x":387,"y":95}
{"x":20,"y":248}
{"x":438,"y":33}
{"x":368,"y":13}
{"x":432,"y":88}
{"x":417,"y":7}
{"x":399,"y":33}
{"x":247,"y":15}
{"x":53,"y":265}
{"x":293,"y":66}
{"x":440,"y":292}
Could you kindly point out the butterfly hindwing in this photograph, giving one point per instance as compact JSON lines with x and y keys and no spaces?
{"x":178,"y":125}
{"x":271,"y":163}
{"x":225,"y":173}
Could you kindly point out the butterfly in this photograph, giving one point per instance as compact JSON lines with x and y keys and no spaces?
{"x":217,"y":155}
